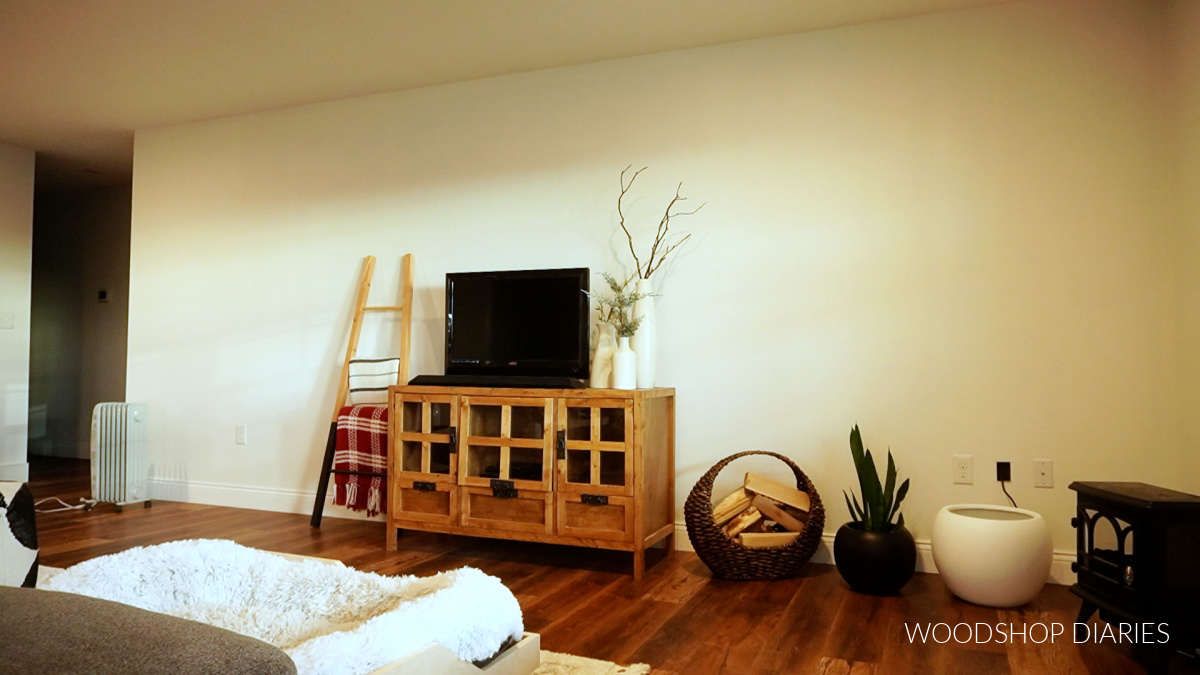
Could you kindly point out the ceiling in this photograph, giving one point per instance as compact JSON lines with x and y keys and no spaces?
{"x":77,"y":77}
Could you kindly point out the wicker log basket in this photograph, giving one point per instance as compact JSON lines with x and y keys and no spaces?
{"x":727,"y":558}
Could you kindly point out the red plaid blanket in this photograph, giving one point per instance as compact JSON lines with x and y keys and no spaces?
{"x":362,"y":441}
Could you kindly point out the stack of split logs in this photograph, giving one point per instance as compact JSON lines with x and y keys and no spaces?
{"x":762,"y":513}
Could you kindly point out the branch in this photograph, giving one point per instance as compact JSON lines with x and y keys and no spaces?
{"x":625,"y":188}
{"x":664,"y":228}
{"x":669,"y":249}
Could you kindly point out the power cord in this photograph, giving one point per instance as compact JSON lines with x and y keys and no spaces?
{"x":1010,"y":499}
{"x":85,"y":504}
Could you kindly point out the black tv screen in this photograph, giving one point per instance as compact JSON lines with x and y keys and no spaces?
{"x":519,"y":323}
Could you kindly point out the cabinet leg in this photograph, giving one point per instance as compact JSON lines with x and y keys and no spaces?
{"x":391,"y":537}
{"x":669,"y":545}
{"x":639,"y":565}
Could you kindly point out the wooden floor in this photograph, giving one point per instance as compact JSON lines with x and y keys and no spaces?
{"x":678,"y":618}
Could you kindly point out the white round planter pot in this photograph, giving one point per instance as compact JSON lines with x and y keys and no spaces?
{"x":996,"y":556}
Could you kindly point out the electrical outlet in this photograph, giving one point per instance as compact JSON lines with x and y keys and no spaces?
{"x":1003,"y":471}
{"x":1043,"y":473}
{"x":964,"y":469}
{"x":240,"y":434}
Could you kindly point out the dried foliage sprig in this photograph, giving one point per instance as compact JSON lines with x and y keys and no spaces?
{"x":616,"y":310}
{"x":662,"y":246}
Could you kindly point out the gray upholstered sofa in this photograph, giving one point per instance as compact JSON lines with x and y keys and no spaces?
{"x":47,"y":632}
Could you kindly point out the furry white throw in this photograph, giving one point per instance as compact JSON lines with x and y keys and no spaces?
{"x":330,"y":619}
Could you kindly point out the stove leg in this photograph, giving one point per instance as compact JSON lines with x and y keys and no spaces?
{"x":1086,"y":610}
{"x":1158,"y":658}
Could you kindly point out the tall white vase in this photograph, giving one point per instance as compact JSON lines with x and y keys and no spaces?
{"x":624,"y":371}
{"x":645,"y":340}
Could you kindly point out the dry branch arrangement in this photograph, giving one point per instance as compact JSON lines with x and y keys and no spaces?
{"x":762,"y":513}
{"x":662,"y":246}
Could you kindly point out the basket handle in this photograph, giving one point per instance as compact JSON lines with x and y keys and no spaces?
{"x":705,"y":484}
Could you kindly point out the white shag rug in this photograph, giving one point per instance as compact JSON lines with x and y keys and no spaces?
{"x":330,"y":619}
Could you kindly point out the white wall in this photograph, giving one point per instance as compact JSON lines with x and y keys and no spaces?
{"x":955,"y":230}
{"x":1186,"y":20}
{"x":16,"y":243}
{"x":81,"y":246}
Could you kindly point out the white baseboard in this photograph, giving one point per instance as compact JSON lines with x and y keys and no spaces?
{"x":17,"y":473}
{"x":242,"y":497}
{"x":301,"y":501}
{"x":1060,"y":566}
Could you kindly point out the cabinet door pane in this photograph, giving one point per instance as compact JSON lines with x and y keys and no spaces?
{"x":411,"y":456}
{"x":612,"y":425}
{"x":483,"y":461}
{"x":579,"y":466}
{"x":612,"y":468}
{"x":579,"y":424}
{"x":439,"y":458}
{"x":411,"y":414}
{"x":485,"y":421}
{"x":439,"y":418}
{"x":525,"y":464}
{"x":528,"y":422}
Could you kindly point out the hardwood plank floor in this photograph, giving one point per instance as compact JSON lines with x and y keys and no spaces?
{"x":582,"y":601}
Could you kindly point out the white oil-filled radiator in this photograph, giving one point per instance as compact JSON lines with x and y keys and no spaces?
{"x":119,"y":468}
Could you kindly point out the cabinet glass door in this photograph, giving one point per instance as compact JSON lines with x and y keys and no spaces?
{"x":506,"y":442}
{"x":424,"y":447}
{"x":595,"y":446}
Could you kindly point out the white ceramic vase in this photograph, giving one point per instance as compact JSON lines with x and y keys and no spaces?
{"x":602,"y":362}
{"x":645,"y":342}
{"x":995,"y":556}
{"x":624,"y":367}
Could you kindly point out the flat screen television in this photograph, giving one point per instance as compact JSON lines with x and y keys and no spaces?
{"x":526,"y":323}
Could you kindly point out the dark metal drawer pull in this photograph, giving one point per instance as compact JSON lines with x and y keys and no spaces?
{"x":504,"y":493}
{"x":498,"y":484}
{"x":595,"y":500}
{"x":424,"y":486}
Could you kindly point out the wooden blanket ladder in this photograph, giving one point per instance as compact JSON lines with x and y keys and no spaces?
{"x":344,"y":382}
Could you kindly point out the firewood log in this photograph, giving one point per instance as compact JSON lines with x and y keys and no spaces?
{"x":760,"y":485}
{"x":733,"y":504}
{"x":766,"y":539}
{"x":742,"y":521}
{"x":771,"y":510}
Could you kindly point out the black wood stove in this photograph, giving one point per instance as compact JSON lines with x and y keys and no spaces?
{"x":1151,"y":589}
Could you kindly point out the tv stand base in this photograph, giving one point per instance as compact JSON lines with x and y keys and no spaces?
{"x":506,"y":381}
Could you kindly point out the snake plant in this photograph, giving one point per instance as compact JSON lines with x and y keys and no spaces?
{"x":880,"y":502}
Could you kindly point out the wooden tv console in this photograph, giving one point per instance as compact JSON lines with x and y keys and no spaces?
{"x":584,"y":467}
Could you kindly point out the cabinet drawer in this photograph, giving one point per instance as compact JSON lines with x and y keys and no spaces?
{"x":502,"y":509}
{"x":425,"y":501}
{"x":595,"y":516}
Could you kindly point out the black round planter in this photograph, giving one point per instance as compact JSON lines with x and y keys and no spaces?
{"x":879,"y":563}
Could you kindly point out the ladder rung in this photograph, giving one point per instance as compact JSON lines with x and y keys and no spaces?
{"x":347,"y":472}
{"x":355,"y":389}
{"x":385,"y":308}
{"x":387,"y":358}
